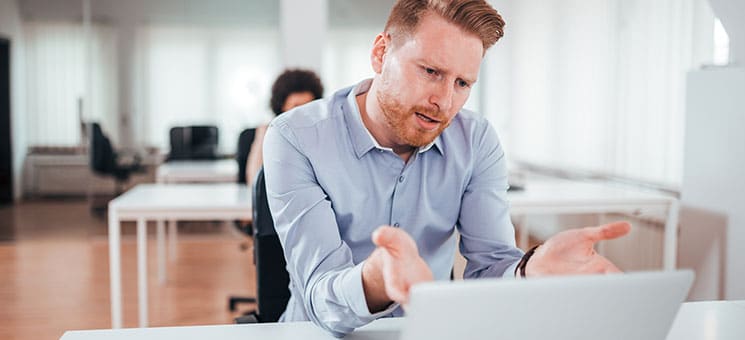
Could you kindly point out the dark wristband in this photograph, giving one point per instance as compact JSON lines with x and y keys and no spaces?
{"x":524,"y":261}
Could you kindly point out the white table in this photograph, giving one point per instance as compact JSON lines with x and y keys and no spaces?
{"x":191,"y":171}
{"x":202,"y":171}
{"x":193,"y":202}
{"x":543,"y":197}
{"x":695,"y":321}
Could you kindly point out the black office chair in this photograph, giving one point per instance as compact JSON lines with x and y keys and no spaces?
{"x":193,"y":142}
{"x":272,"y":279}
{"x":245,"y":140}
{"x":104,"y":160}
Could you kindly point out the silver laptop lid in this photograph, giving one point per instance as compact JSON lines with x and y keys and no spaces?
{"x":620,"y":306}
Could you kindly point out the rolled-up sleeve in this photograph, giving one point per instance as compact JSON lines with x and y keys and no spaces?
{"x":320,"y":264}
{"x":487,"y":235}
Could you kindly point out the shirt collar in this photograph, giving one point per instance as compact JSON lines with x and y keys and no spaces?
{"x":362,"y":139}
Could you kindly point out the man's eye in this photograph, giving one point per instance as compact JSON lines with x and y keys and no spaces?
{"x":430,"y":70}
{"x":463,"y":83}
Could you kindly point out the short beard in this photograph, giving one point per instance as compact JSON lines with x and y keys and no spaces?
{"x":397,"y":116}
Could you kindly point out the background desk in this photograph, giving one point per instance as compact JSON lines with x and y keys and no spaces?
{"x":190,"y":171}
{"x":543,"y":197}
{"x":205,"y":171}
{"x":200,"y":202}
{"x":695,"y":321}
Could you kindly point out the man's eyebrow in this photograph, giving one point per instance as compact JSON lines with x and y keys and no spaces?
{"x":442,"y":69}
{"x":469,"y":81}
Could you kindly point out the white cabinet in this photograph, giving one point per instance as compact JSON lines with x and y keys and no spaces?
{"x":70,"y":175}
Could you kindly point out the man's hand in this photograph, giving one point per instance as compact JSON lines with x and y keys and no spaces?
{"x":572,"y":252}
{"x":392,"y":268}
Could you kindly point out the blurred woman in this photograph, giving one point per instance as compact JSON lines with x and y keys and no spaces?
{"x":292,"y":88}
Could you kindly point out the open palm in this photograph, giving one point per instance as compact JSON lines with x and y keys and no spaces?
{"x":402,"y":265}
{"x":573,"y":252}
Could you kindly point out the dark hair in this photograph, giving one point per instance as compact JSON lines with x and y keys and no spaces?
{"x":473,"y":16}
{"x":293,"y":81}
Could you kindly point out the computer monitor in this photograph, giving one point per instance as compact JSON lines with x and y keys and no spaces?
{"x":193,"y":142}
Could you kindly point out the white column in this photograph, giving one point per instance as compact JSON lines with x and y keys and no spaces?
{"x":715,"y":159}
{"x":303,"y":26}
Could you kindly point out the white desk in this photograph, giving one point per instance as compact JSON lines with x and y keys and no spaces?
{"x":194,"y":202}
{"x":207,"y":171}
{"x":542,"y":197}
{"x":695,"y":321}
{"x":720,"y":320}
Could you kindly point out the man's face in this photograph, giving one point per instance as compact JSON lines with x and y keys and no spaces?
{"x":426,"y":78}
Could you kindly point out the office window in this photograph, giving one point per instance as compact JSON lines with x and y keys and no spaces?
{"x":721,"y":44}
{"x":56,"y":71}
{"x":597,"y":86}
{"x":204,"y":75}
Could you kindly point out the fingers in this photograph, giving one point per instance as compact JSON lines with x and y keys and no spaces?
{"x":383,"y":236}
{"x":394,"y":240}
{"x":402,"y":266}
{"x":607,"y":231}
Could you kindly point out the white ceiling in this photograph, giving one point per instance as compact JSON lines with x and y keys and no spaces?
{"x":342,"y":13}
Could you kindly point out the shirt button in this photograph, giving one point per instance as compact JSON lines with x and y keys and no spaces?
{"x":401,"y":179}
{"x":396,"y":225}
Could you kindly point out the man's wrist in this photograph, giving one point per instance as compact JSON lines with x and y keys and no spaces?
{"x":523,"y":264}
{"x":373,"y":285}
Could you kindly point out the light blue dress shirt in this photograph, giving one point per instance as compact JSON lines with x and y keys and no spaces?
{"x":330,"y":185}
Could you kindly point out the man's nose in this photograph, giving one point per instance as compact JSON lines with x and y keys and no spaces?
{"x":442,"y":96}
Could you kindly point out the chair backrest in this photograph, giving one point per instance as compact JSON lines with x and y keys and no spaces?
{"x":272,"y":292}
{"x":193,"y":142}
{"x":102,"y":155}
{"x":245,"y":139}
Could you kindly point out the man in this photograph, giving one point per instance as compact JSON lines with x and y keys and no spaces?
{"x":398,"y":151}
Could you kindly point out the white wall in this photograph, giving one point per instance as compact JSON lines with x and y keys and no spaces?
{"x":715,"y":159}
{"x":10,"y":27}
{"x":303,"y":26}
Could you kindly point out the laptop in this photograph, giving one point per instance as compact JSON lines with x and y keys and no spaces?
{"x":635,"y":306}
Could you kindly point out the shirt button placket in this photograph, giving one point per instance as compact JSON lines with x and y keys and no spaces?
{"x":395,"y":208}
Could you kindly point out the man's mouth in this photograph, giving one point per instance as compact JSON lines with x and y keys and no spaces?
{"x":426,"y":118}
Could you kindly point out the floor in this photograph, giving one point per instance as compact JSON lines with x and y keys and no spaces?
{"x":54,"y":272}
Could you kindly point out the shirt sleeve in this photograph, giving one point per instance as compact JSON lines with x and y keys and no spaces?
{"x":487,"y":235}
{"x":320,"y":264}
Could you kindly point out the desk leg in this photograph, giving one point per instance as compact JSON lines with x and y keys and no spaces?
{"x":161,"y":251}
{"x":172,"y":238}
{"x":600,"y":246}
{"x":524,"y":240}
{"x":115,"y":269}
{"x":142,"y":270}
{"x":671,"y":236}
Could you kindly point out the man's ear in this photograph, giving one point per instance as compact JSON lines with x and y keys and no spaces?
{"x":380,"y":48}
